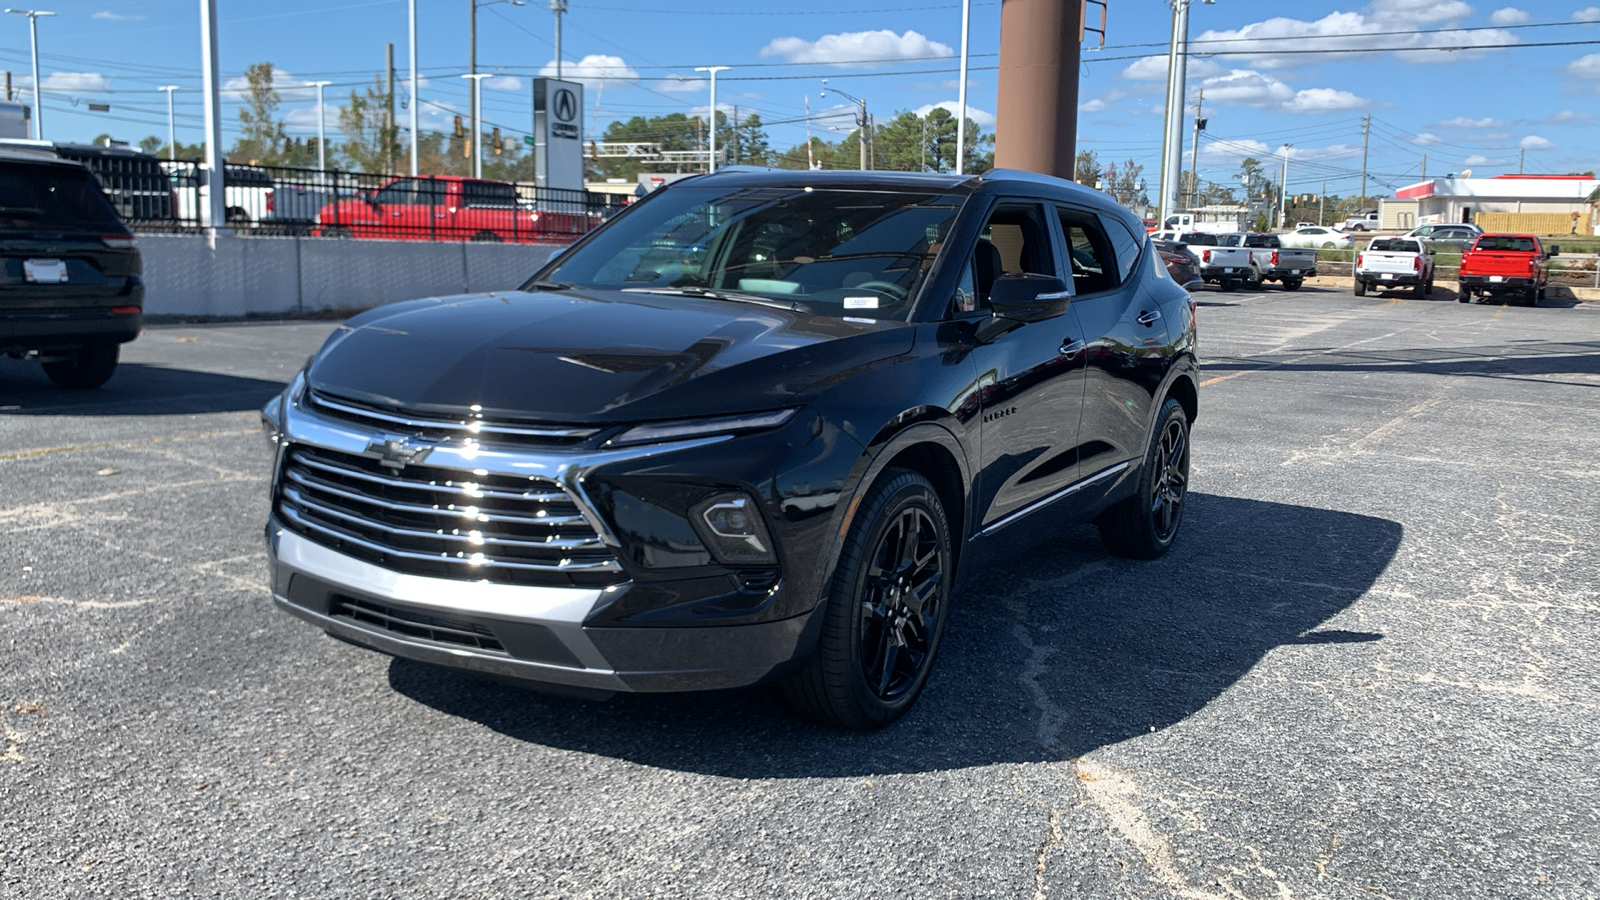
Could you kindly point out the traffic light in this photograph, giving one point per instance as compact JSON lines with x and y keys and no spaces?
{"x":460,"y":132}
{"x":498,"y":147}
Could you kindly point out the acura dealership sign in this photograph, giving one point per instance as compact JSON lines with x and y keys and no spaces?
{"x":558,"y":133}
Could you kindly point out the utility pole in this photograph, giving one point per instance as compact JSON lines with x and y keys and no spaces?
{"x":961,"y":100}
{"x":738,"y":144}
{"x":1172,"y":136}
{"x":711,"y":117}
{"x":389,"y":133}
{"x":415,"y":100}
{"x":172,"y":139}
{"x":1366,"y":131}
{"x":1194,"y":152}
{"x":472,"y":94}
{"x":476,"y":138}
{"x":322,"y":123}
{"x":1322,"y":204}
{"x":1424,"y":168}
{"x":9,"y":96}
{"x":861,"y":119}
{"x":558,"y":7}
{"x":1522,"y":153}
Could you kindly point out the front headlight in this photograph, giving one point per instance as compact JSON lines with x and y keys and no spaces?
{"x":660,"y":432}
{"x":272,"y":415}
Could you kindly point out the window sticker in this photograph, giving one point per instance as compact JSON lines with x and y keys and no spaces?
{"x":861,"y":303}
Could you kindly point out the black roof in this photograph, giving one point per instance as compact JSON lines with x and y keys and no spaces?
{"x":16,"y":153}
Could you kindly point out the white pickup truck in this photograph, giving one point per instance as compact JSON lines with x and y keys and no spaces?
{"x":1219,"y":265}
{"x":1271,"y":261}
{"x":1363,"y":220}
{"x":1394,"y":262}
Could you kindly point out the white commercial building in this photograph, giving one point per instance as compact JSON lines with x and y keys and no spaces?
{"x":1462,"y":199}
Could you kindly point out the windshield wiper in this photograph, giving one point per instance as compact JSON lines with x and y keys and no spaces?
{"x":710,"y":294}
{"x":551,"y":285}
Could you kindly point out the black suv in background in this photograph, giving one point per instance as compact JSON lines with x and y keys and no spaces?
{"x":71,"y":291}
{"x":749,"y":430}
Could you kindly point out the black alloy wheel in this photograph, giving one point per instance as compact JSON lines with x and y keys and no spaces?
{"x":885,"y":611}
{"x":1145,"y":525}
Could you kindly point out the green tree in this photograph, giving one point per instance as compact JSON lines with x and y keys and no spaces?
{"x":372,"y":140}
{"x":1086,"y":168}
{"x":1126,"y":185}
{"x":750,"y":142}
{"x":261,"y":134}
{"x":797,"y":158}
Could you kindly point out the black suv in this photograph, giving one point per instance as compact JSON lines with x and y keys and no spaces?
{"x":748,"y":430}
{"x":72,"y":291}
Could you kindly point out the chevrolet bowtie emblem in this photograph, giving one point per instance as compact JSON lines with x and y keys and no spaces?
{"x":399,"y":451}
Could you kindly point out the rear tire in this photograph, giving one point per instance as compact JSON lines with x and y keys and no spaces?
{"x":1145,"y":525}
{"x":1292,"y":284}
{"x":1361,"y":288}
{"x":1228,"y":285}
{"x":885,"y":610}
{"x":91,"y":367}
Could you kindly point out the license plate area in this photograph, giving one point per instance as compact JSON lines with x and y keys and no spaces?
{"x":1497,"y":278}
{"x":1388,"y":276}
{"x":44,"y":271}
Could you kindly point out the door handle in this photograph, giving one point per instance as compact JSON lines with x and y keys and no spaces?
{"x":1149,"y":317}
{"x":1069,"y":349}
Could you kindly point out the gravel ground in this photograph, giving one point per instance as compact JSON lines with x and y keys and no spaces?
{"x":1367,"y":670}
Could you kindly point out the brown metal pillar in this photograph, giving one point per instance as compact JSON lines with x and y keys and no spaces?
{"x":1036,"y":123}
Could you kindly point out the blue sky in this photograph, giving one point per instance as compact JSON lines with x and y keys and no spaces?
{"x":1464,"y":108}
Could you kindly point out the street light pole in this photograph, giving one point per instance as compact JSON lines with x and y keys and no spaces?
{"x":415,"y":102}
{"x":961,"y":95}
{"x":477,"y":127}
{"x":861,"y":120}
{"x":1283,"y":190}
{"x":38,"y":92}
{"x":558,"y":7}
{"x":712,"y":117}
{"x":1172,"y":138}
{"x":322,"y":134}
{"x":214,"y":214}
{"x":172,"y":138}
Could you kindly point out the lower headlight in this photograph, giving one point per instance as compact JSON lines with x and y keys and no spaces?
{"x":730,"y":524}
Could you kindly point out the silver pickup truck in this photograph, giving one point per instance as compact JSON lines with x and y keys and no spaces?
{"x":1393,"y":262}
{"x":1271,"y":261}
{"x":1219,"y":265}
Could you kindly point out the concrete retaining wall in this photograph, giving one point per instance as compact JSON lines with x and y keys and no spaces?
{"x":227,"y":275}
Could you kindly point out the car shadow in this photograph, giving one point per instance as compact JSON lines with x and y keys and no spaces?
{"x":1516,"y":359}
{"x":1055,"y":651}
{"x":136,"y":389}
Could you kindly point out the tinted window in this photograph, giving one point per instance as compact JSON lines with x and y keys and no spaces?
{"x":1267,"y":241}
{"x":1199,"y":239}
{"x":1124,"y":243}
{"x":57,"y":198}
{"x":488,"y":194}
{"x":1395,"y":245}
{"x":1496,"y":242}
{"x":1094,"y":269}
{"x":398,"y":194}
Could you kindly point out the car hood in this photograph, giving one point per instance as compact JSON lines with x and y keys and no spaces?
{"x":591,"y":356}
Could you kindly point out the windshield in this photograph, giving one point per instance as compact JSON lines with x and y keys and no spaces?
{"x":1394,"y":245}
{"x":1492,"y":242}
{"x":56,"y":198}
{"x":828,"y":252}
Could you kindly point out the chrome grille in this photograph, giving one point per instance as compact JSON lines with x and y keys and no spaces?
{"x":373,"y":416}
{"x":427,"y":520}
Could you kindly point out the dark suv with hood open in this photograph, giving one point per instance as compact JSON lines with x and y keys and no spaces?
{"x":747,"y":431}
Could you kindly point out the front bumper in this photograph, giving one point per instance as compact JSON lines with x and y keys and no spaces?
{"x":533,"y":634}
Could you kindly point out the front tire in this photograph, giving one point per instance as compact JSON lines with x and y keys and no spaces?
{"x":885,"y":610}
{"x":1145,"y":525}
{"x":91,"y":367}
{"x":1361,"y":288}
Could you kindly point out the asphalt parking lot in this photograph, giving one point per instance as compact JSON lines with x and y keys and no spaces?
{"x":1368,"y":669}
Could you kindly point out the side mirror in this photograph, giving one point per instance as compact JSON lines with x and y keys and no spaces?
{"x":1433,"y":253}
{"x":1029,"y":298}
{"x":1555,"y":250}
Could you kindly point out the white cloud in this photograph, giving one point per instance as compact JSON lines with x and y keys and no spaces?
{"x":1093,"y":106}
{"x":1508,"y":15}
{"x":1324,"y":100}
{"x":1464,"y":122}
{"x":852,"y":47}
{"x":1246,"y":87}
{"x":1568,"y":117}
{"x":593,"y":71}
{"x":682,"y":84}
{"x":1476,"y":160}
{"x":1588,"y":14}
{"x":289,"y":88}
{"x":1426,"y":139}
{"x":1154,"y":68}
{"x":116,"y":16}
{"x":1350,"y":31}
{"x":979,"y":117}
{"x":1585,"y":66}
{"x":77,"y":82}
{"x":1535,"y":142}
{"x":304,"y":118}
{"x":503,"y":83}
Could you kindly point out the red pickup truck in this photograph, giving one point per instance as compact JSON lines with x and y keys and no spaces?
{"x":447,"y":208}
{"x":1514,"y":265}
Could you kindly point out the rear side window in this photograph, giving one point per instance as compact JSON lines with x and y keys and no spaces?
{"x":57,"y":198}
{"x":1094,"y":268}
{"x":1124,"y":243}
{"x":489,"y":194}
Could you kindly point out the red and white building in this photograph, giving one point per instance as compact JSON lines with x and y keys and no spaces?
{"x":1459,"y":199}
